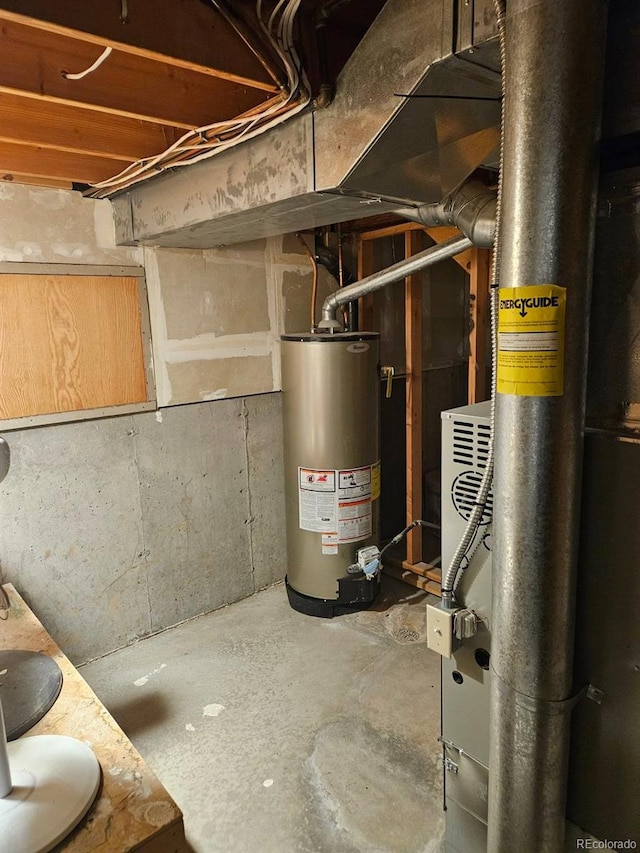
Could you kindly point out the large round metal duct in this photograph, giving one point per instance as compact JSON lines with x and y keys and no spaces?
{"x":553,"y":78}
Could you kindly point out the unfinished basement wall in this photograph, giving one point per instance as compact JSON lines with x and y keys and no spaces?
{"x":116,"y":528}
{"x":217,"y":316}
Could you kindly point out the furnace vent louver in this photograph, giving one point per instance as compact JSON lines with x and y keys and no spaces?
{"x":470,"y":449}
{"x":470,"y":444}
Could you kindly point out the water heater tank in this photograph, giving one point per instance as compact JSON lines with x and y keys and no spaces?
{"x":330,"y":385}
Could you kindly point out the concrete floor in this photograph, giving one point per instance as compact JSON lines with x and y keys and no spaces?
{"x":282,"y":733}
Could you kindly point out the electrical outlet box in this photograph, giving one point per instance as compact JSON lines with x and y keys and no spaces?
{"x":440,"y":630}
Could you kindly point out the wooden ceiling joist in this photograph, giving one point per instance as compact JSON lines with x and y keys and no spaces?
{"x":32,"y":180}
{"x":187,"y":33}
{"x":33,"y":62}
{"x":27,"y":160}
{"x":54,"y":125}
{"x":173,"y":66}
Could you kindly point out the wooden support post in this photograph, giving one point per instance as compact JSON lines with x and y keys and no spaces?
{"x":479,"y":273}
{"x":365,"y":268}
{"x":413,"y":349}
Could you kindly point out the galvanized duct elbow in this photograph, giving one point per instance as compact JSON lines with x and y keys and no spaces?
{"x":471,"y":208}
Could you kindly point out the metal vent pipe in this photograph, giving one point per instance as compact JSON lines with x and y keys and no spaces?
{"x":471,"y":208}
{"x":554,"y":70}
{"x":378,"y":280}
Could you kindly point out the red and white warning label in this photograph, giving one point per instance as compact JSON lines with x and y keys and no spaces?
{"x":336,"y":504}
{"x":317,"y":481}
{"x":354,"y":504}
{"x":356,"y":481}
{"x":329,"y":543}
{"x":317,"y":500}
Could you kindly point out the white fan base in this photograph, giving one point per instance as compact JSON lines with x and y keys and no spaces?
{"x":55,"y":781}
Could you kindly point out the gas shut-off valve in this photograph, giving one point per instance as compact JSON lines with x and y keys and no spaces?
{"x":447,"y":628}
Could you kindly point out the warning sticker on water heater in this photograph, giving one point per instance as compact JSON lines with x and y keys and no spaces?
{"x":336,"y":504}
{"x":330,"y":544}
{"x":317,"y":500}
{"x":354,"y":504}
{"x":531,"y":340}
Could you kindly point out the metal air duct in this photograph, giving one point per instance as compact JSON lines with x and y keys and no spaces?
{"x":416,"y":111}
{"x":554,"y":71}
{"x":471,"y":208}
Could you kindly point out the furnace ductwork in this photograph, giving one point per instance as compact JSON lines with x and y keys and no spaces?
{"x":471,"y":208}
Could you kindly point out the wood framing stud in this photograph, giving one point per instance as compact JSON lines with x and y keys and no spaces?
{"x":425,"y":570}
{"x":446,"y":232}
{"x":414,"y":243}
{"x":365,"y":268}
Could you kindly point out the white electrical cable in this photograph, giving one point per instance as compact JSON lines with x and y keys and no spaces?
{"x":194,"y":145}
{"x":146,"y":163}
{"x":272,"y":16}
{"x":105,"y":53}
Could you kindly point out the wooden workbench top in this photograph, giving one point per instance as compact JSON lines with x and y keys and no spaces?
{"x":132,"y":812}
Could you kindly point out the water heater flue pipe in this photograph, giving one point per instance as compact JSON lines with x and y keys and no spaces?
{"x":393,"y":273}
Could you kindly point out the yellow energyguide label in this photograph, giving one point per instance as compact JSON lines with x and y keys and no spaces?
{"x":375,"y":481}
{"x":531,"y":340}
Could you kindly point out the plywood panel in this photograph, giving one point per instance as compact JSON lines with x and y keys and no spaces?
{"x":132,"y":811}
{"x":69,"y":343}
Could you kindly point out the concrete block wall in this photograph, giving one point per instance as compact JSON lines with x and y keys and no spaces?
{"x":116,"y":528}
{"x":217,"y":316}
{"x":49,"y":226}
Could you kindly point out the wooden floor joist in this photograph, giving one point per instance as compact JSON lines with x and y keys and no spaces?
{"x":33,"y":62}
{"x":188,"y":35}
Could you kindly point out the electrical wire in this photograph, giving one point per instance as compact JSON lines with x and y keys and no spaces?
{"x":203,"y":142}
{"x":462,"y":551}
{"x":105,"y":53}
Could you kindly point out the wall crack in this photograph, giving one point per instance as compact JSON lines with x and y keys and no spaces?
{"x":244,"y":414}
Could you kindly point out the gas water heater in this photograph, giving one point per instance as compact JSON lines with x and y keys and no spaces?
{"x":331,"y":385}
